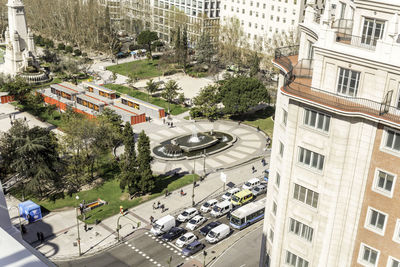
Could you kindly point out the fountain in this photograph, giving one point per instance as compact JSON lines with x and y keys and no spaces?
{"x":194,"y":138}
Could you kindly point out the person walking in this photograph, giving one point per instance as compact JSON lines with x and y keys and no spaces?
{"x":154,"y":205}
{"x":158,"y":204}
{"x":253,"y":169}
{"x":182,"y":194}
{"x":151,"y":220}
{"x":166,"y":192}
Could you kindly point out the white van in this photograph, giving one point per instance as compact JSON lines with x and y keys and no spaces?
{"x":218,"y":233}
{"x":163,"y":225}
{"x":221,"y":208}
{"x":250,"y":184}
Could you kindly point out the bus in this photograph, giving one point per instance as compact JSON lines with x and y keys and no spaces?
{"x":246,"y":215}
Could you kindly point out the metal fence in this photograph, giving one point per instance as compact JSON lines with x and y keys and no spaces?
{"x":366,"y":42}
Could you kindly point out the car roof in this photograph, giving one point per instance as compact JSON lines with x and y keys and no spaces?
{"x":211,"y":200}
{"x":194,"y":243}
{"x":234,"y":190}
{"x":253,"y":180}
{"x":190,"y":209}
{"x":188,"y":234}
{"x":197,"y":217}
{"x":243,"y":193}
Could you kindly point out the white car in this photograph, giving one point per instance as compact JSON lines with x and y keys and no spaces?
{"x":195,"y":222}
{"x":228,"y":195}
{"x":187,"y":215}
{"x":208,"y":205}
{"x":186,"y":239}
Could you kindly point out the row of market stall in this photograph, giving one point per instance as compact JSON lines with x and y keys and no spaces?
{"x":91,"y":99}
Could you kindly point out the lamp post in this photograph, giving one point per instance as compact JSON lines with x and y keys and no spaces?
{"x":194,"y":172}
{"x":19,"y":217}
{"x":119,"y":226}
{"x":204,"y":163}
{"x":77,"y":226}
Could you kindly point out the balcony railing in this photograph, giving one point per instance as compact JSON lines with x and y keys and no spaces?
{"x":298,"y":83}
{"x":363,"y":42}
{"x":343,"y":25}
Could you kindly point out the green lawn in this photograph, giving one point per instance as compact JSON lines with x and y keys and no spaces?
{"x":261,"y":118}
{"x":142,"y":69}
{"x":175,"y":109}
{"x":110,"y":192}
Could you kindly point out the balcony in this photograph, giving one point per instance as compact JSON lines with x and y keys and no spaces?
{"x":298,"y":85}
{"x":363,"y":42}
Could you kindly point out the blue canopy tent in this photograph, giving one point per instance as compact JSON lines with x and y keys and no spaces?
{"x":30,"y":211}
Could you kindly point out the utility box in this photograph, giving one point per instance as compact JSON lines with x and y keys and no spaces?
{"x":30,"y":211}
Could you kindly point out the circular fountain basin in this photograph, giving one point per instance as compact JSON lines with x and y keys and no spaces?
{"x":209,"y":143}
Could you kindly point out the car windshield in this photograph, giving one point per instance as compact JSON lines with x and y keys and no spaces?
{"x":247,"y":184}
{"x":212,"y":234}
{"x":185,"y":213}
{"x":206,"y":205}
{"x":190,"y":247}
{"x":235,"y":220}
{"x":256,"y":189}
{"x":216,"y":209}
{"x":157,"y":226}
{"x":235,"y":199}
{"x":193,"y":221}
{"x":228,"y":194}
{"x":182,"y":238}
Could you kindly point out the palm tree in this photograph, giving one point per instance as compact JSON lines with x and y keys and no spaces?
{"x":151,"y":87}
{"x":170,"y":92}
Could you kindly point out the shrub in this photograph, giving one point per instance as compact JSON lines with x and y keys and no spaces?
{"x":48,"y":43}
{"x":170,"y":72}
{"x":68,"y":49}
{"x":195,"y":112}
{"x":77,"y":52}
{"x":61,"y":47}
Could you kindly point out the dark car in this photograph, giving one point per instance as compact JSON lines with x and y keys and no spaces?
{"x":193,"y":248}
{"x":209,"y":227}
{"x":173,"y":233}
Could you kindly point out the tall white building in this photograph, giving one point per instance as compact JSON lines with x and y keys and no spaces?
{"x":333,"y":197}
{"x":261,"y":19}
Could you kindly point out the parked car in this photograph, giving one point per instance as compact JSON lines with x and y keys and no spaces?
{"x":230,"y":193}
{"x":209,"y":226}
{"x":173,"y":233}
{"x":187,"y":214}
{"x":218,"y":233}
{"x":186,"y":239}
{"x":207,"y":206}
{"x":259,"y":189}
{"x":193,"y":248}
{"x":195,"y":222}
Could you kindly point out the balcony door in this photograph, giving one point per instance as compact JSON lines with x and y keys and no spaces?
{"x":372,"y":31}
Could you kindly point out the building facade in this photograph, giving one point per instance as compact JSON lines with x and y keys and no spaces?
{"x":264,"y":21}
{"x":333,"y":195}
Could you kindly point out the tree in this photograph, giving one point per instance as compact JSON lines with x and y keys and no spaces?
{"x":241,"y":93}
{"x":147,"y":181}
{"x":18,"y":88}
{"x":205,"y":50}
{"x":253,"y":62}
{"x":132,"y":79}
{"x":32,"y":154}
{"x":184,"y":48}
{"x":151,"y":87}
{"x":207,"y":101}
{"x":147,"y":38}
{"x":129,"y":176}
{"x":170,"y":92}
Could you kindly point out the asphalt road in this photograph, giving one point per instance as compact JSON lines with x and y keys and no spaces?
{"x":145,"y":250}
{"x":249,"y":247}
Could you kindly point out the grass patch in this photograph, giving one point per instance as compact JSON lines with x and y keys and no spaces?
{"x":175,"y":109}
{"x":110,"y":192}
{"x":261,"y":118}
{"x":142,"y":69}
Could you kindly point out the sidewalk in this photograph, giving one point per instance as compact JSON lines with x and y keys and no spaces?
{"x":60,"y":229}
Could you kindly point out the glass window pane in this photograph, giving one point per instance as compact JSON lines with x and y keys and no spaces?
{"x":390,"y":138}
{"x":296,"y":191}
{"x":389,"y":183}
{"x":308,"y":157}
{"x":327,"y":122}
{"x":313,"y":118}
{"x":297,"y":229}
{"x":302,"y":195}
{"x":373,"y":257}
{"x":310,"y":234}
{"x":309,"y":197}
{"x":293,"y":260}
{"x":381,"y":221}
{"x":374,"y":216}
{"x":301,"y":154}
{"x":397,"y":142}
{"x":315,"y":200}
{"x":320,"y":124}
{"x":321,"y":162}
{"x":287,"y":257}
{"x":306,"y":116}
{"x":366,"y":254}
{"x":315,"y":160}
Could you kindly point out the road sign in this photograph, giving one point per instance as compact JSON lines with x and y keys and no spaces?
{"x":223,"y":177}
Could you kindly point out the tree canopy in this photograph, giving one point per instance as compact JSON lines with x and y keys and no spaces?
{"x":147,"y":38}
{"x":170,"y":92}
{"x":241,"y":93}
{"x":207,"y":101}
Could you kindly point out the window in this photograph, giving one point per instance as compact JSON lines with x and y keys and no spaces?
{"x":393,"y":140}
{"x":375,"y":221}
{"x":311,"y":159}
{"x":396,"y":234}
{"x":372,"y":31}
{"x":348,"y":82}
{"x":271,"y":236}
{"x":294,"y":260}
{"x":398,"y":100}
{"x":284,"y":117}
{"x":281,"y":148}
{"x":368,"y":255}
{"x":278,"y":179}
{"x":258,"y":4}
{"x":301,"y":229}
{"x":274,"y":208}
{"x":251,"y":13}
{"x":342,"y":9}
{"x":384,"y":183}
{"x":305,"y":195}
{"x":263,"y":16}
{"x":264,"y":5}
{"x":249,"y":26}
{"x":242,"y":10}
{"x":316,"y":120}
{"x":392,"y":262}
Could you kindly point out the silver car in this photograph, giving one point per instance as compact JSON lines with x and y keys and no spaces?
{"x":259,"y":189}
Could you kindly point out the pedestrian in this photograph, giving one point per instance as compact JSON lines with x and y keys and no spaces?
{"x":163,"y":120}
{"x":158,"y":204}
{"x":24,"y":118}
{"x":14,"y":116}
{"x":38,"y":236}
{"x":263,"y":162}
{"x":166,"y":192}
{"x":162,"y":208}
{"x":253,"y":169}
{"x":23,"y":229}
{"x":10,"y":117}
{"x":81,"y":207}
{"x":172,"y":125}
{"x":154,"y":205}
{"x":182,"y":192}
{"x":85,"y":227}
{"x":258,"y":128}
{"x":151,"y":220}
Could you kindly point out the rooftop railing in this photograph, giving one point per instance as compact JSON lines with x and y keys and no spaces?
{"x":298,"y":83}
{"x":363,"y":42}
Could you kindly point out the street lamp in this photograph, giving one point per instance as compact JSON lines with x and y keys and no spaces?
{"x":19,"y":218}
{"x":194,"y":173}
{"x":204,"y":163}
{"x":77,"y":226}
{"x":119,"y":226}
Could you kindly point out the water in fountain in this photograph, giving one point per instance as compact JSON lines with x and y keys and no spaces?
{"x":194,"y":138}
